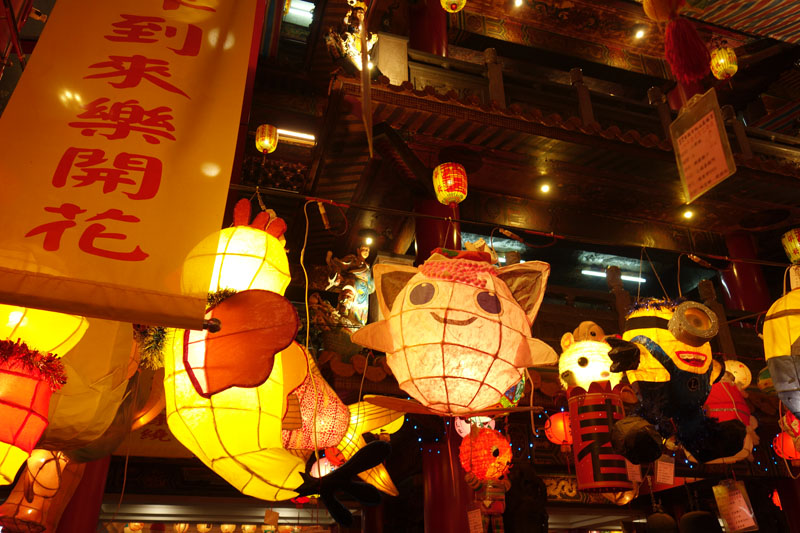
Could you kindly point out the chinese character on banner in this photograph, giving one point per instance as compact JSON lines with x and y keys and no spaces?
{"x":134,"y":69}
{"x":88,"y":160}
{"x":109,"y":209}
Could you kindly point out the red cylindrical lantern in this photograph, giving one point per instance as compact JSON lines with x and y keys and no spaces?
{"x":592,"y":416}
{"x":784,"y":447}
{"x":266,"y":138}
{"x":487,"y":455}
{"x":27,"y":379}
{"x":450,"y":183}
{"x":557,"y":429}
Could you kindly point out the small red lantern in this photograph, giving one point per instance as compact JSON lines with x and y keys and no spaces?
{"x":784,"y":447}
{"x":557,"y":429}
{"x":486,"y":454}
{"x":27,"y":379}
{"x":450,"y":183}
{"x":266,"y":138}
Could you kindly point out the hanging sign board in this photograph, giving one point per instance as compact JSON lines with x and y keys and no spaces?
{"x":475,"y":521}
{"x":665,"y":470}
{"x":701,"y":146}
{"x":117,"y":150}
{"x":734,"y":506}
{"x":634,"y":471}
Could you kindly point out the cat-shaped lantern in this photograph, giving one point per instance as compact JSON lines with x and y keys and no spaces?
{"x":457,"y":331}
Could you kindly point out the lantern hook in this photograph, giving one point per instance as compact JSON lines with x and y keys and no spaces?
{"x":213,"y":325}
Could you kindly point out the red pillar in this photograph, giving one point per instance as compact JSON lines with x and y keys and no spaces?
{"x":744,"y":287}
{"x":428,"y":27}
{"x":372,"y":519}
{"x":83,"y":510}
{"x":434,"y":233}
{"x":447,"y":498}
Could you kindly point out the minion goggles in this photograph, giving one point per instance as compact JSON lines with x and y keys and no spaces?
{"x":692,"y":323}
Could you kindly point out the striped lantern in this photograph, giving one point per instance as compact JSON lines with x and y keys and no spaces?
{"x":592,"y":415}
{"x":266,"y":138}
{"x":450,"y":183}
{"x":723,"y":62}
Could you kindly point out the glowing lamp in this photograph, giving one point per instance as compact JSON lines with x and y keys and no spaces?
{"x":487,"y":455}
{"x":44,"y":331}
{"x":723,"y":62}
{"x":557,"y":429}
{"x":248,"y":528}
{"x":584,"y":362}
{"x":27,"y":380}
{"x":181,"y":527}
{"x":237,"y":432}
{"x":204,"y":528}
{"x":781,"y":342}
{"x":456,"y":335}
{"x":791,"y":244}
{"x":661,"y":10}
{"x":266,"y":138}
{"x":227,"y":528}
{"x":450,"y":179}
{"x":240,"y":257}
{"x":453,"y":6}
{"x":784,"y":447}
{"x":136,"y":526}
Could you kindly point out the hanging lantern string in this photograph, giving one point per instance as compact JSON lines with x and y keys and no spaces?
{"x":572,"y":238}
{"x":308,"y":328}
{"x":653,"y":268}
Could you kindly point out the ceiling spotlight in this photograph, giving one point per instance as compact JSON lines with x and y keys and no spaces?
{"x":545,"y":188}
{"x":368,"y":241}
{"x":639,"y":33}
{"x":688,"y":214}
{"x":518,"y":3}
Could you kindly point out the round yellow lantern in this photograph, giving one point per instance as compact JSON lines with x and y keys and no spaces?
{"x":241,"y":257}
{"x":227,"y":528}
{"x":266,"y":138}
{"x":45,"y":331}
{"x":204,"y":528}
{"x":584,"y":362}
{"x":181,"y":527}
{"x":453,"y":6}
{"x":450,"y":181}
{"x":723,"y":62}
{"x":249,"y":528}
{"x":136,"y":526}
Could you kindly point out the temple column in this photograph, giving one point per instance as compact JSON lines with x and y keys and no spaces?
{"x":446,"y":497}
{"x":744,"y":286}
{"x":433,"y":233}
{"x":428,"y":27}
{"x":83,"y":510}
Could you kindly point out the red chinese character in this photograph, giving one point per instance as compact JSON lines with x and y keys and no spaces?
{"x":54,"y":230}
{"x":136,"y":29}
{"x":97,"y":231}
{"x":142,"y":29}
{"x":175,"y":4}
{"x":124,"y":117}
{"x":134,"y":69}
{"x":88,"y":161}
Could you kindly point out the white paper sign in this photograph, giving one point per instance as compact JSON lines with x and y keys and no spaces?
{"x":475,"y":521}
{"x":665,"y":470}
{"x":634,"y":471}
{"x":734,"y":506}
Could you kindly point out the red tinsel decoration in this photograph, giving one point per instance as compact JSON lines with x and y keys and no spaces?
{"x":39,"y":365}
{"x":685,"y":51}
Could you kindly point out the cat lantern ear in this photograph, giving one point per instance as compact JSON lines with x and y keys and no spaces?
{"x":527,"y":283}
{"x":389,"y":282}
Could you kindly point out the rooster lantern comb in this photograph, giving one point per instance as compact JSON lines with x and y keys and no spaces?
{"x":458,"y":329}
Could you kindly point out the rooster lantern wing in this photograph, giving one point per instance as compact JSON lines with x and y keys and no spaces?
{"x":458,"y":329}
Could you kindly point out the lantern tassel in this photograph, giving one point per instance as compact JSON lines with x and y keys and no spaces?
{"x":685,"y":51}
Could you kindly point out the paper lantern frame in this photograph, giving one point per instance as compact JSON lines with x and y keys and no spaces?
{"x":450,"y":179}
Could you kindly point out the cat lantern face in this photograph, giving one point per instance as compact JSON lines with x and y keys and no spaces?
{"x":457,"y":330}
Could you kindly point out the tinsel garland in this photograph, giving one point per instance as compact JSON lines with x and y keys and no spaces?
{"x":150,"y":341}
{"x":44,"y":366}
{"x":655,"y":303}
{"x":216,"y":298}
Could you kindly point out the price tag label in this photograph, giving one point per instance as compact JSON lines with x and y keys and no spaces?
{"x":634,"y":472}
{"x":665,"y":470}
{"x":475,"y":521}
{"x":734,"y":506}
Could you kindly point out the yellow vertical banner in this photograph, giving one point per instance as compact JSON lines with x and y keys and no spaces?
{"x":117,"y":148}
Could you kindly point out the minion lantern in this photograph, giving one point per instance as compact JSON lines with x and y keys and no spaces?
{"x":666,"y":353}
{"x":782,"y":345}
